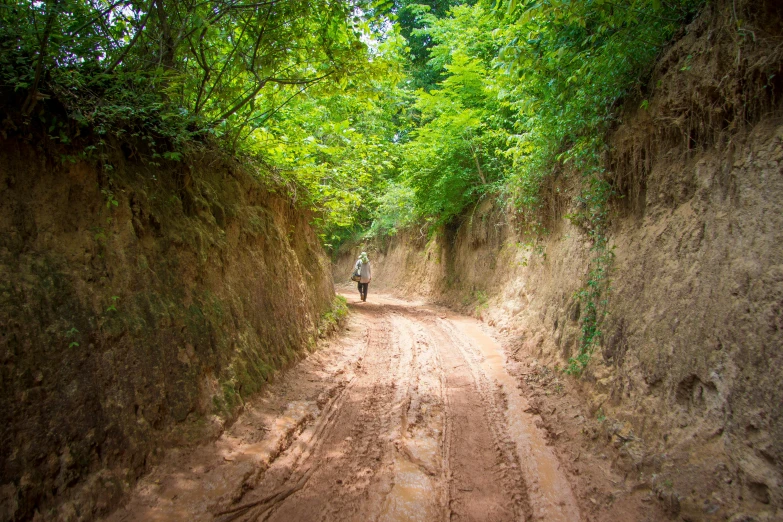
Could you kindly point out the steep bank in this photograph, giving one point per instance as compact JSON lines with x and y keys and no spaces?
{"x":689,"y":369}
{"x":138,"y":307}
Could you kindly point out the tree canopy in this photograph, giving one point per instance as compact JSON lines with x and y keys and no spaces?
{"x":383,"y":113}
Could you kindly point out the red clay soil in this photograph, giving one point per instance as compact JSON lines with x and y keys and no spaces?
{"x":413,"y":413}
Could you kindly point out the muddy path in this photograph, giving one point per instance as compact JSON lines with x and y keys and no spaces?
{"x":410,"y":414}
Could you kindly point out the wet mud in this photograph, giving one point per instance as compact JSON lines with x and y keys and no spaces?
{"x":409,"y":415}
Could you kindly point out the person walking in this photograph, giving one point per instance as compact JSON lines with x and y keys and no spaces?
{"x":364,"y":269}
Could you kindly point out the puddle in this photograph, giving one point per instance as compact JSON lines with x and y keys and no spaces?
{"x":411,"y":497}
{"x":416,"y":493}
{"x":424,"y":450}
{"x":548,"y":488}
{"x":295,"y":413}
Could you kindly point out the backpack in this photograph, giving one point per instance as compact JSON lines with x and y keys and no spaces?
{"x":357,"y":274}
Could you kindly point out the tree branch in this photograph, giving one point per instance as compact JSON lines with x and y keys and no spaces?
{"x":32,"y":96}
{"x":261,"y":85}
{"x":133,"y":41}
{"x":98,"y":16}
{"x":226,"y":63}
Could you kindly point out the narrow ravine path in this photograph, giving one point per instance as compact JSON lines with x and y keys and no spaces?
{"x":409,"y":415}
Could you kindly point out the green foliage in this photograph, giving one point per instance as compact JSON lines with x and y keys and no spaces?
{"x":71,"y":334}
{"x":334,"y":316}
{"x":393,"y":210}
{"x":455,"y":155}
{"x":313,"y":93}
{"x":111,"y":201}
{"x":171,"y":71}
{"x":594,"y":295}
{"x":482,"y":302}
{"x":517,"y":89}
{"x":113,"y":306}
{"x":413,"y":18}
{"x":566,"y":65}
{"x":335,"y":151}
{"x":499,"y":97}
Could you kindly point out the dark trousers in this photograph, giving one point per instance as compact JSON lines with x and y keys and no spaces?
{"x":363,"y":289}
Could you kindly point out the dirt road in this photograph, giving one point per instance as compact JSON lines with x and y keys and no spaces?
{"x":409,"y":415}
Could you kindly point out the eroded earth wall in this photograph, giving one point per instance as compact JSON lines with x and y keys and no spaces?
{"x":138,"y":306}
{"x":690,"y":367}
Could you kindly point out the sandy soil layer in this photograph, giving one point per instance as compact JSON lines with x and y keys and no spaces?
{"x":414,"y":413}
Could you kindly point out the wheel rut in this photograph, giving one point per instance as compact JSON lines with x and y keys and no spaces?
{"x":407,"y":416}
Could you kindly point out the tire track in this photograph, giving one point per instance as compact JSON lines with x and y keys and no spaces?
{"x":415,"y":419}
{"x":294,"y":466}
{"x":548,"y":491}
{"x":419,"y":483}
{"x":390,"y":466}
{"x":486,"y":483}
{"x":355,"y":417}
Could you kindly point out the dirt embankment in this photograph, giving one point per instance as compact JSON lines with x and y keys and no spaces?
{"x":687,"y":380}
{"x":138,"y":308}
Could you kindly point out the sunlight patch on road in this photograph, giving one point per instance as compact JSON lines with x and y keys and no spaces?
{"x":549,"y":490}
